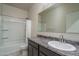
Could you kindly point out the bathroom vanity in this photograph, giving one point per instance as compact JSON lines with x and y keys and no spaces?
{"x":35,"y":49}
{"x":55,"y":21}
{"x":38,"y":46}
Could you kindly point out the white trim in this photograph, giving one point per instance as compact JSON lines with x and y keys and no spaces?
{"x":16,"y":21}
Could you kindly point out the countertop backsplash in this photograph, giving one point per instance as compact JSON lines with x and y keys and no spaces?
{"x":66,"y":36}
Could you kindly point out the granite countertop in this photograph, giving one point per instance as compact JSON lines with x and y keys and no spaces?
{"x":44,"y":42}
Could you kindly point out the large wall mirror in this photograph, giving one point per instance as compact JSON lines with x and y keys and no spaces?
{"x":60,"y":18}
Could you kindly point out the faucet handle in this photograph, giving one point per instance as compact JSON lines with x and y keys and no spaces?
{"x":61,"y":36}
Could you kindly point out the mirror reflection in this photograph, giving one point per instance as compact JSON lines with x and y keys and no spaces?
{"x":60,"y":18}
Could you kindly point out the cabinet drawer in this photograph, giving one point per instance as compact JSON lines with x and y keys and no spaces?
{"x":47,"y":51}
{"x":35,"y":45}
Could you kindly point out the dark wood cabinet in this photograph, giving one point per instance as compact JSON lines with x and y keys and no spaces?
{"x":35,"y":49}
{"x":32,"y":49}
{"x":47,"y":52}
{"x":35,"y":52}
{"x":42,"y":54}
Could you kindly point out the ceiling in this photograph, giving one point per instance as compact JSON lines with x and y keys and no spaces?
{"x":24,"y":6}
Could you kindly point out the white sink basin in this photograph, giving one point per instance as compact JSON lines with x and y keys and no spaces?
{"x":62,"y":46}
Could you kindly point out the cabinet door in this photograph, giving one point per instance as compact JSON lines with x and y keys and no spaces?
{"x":35,"y":51}
{"x":30,"y":50}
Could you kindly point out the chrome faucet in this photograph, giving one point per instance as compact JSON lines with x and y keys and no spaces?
{"x":61,"y":38}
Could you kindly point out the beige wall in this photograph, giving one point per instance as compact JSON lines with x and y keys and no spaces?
{"x":13,"y":11}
